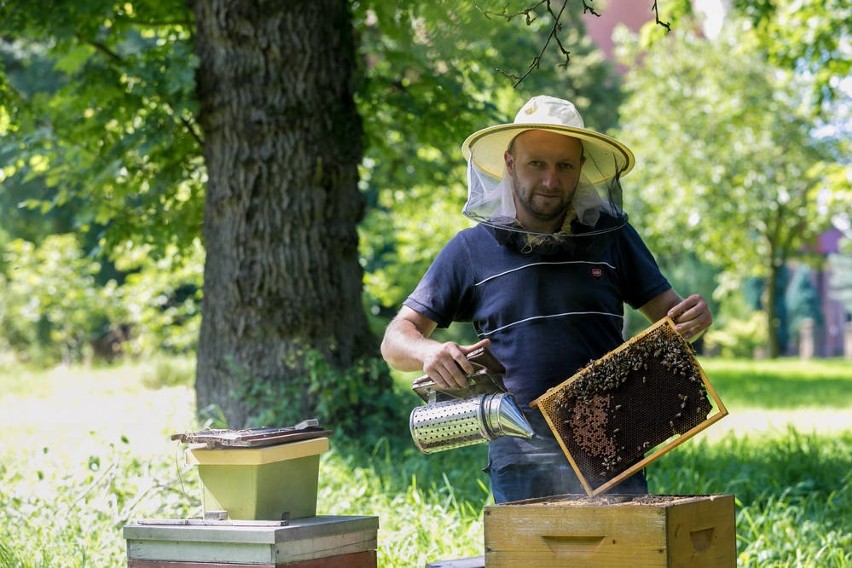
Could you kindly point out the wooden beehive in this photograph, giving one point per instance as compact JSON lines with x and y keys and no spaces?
{"x":325,"y":540}
{"x":612,"y":531}
{"x":630,"y":407}
{"x":268,"y":482}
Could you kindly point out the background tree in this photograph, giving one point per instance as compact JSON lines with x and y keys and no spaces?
{"x":103,"y":103}
{"x":110,"y":133}
{"x":51,"y":303}
{"x":727,"y":162}
{"x":282,"y":147}
{"x":99,"y":139}
{"x":811,"y":38}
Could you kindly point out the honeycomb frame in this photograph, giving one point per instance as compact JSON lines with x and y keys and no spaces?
{"x":630,"y":407}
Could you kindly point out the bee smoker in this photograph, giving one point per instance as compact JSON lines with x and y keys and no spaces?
{"x":482,"y":411}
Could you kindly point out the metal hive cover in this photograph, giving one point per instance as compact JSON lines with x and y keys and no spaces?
{"x":214,"y":438}
{"x":625,"y":410}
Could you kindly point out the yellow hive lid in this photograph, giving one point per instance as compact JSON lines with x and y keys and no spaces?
{"x":201,"y":455}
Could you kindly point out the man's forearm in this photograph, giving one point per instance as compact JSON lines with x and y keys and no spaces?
{"x":402,"y":346}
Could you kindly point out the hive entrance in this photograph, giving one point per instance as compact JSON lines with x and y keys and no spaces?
{"x":645,"y":397}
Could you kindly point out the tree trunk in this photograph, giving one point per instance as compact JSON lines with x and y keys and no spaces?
{"x":772,"y":316}
{"x":282,"y":148}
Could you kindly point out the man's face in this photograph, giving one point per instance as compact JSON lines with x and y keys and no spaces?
{"x":545,"y":169}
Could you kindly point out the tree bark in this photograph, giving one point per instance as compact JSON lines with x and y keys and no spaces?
{"x":773,"y":348}
{"x":282,"y":148}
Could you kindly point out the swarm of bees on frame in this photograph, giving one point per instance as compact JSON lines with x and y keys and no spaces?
{"x":619,"y":407}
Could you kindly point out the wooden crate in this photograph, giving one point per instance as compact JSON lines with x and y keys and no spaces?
{"x":645,"y":531}
{"x":250,"y":543}
{"x":630,"y":407}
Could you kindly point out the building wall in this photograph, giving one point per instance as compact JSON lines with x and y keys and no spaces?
{"x":631,"y":13}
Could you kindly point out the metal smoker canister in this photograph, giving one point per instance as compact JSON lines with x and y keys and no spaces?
{"x":462,"y":422}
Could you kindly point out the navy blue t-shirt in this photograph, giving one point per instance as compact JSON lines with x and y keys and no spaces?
{"x":547,"y":315}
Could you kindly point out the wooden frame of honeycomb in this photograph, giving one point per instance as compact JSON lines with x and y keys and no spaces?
{"x":648,"y":395}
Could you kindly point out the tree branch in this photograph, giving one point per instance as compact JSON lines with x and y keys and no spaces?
{"x":657,"y":19}
{"x":588,"y":8}
{"x":530,"y":15}
{"x":189,"y":125}
{"x":100,"y":47}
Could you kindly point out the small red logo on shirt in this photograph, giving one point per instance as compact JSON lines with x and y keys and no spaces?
{"x":597,"y":273}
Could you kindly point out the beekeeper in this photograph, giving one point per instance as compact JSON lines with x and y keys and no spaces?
{"x":543,"y":277}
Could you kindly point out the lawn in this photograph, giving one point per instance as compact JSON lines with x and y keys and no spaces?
{"x":87,"y":450}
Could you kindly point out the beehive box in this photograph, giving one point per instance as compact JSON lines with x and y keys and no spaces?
{"x":628,"y":408}
{"x":327,"y":541}
{"x":265,"y":483}
{"x":612,"y":531}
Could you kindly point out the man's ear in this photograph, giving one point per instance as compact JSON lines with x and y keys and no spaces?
{"x":509,"y":159}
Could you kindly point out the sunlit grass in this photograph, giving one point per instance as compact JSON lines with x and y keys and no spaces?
{"x":782,"y":383}
{"x":785,"y":367}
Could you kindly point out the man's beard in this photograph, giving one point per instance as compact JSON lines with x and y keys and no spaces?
{"x":525,"y":201}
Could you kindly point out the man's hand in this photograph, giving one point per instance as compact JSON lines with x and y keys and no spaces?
{"x":691,"y":317}
{"x":447,"y":364}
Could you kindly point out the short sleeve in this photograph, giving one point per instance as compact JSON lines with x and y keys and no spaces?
{"x":444,"y":293}
{"x":642,"y":279}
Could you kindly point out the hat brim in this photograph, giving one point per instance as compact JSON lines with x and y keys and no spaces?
{"x":605,"y":156}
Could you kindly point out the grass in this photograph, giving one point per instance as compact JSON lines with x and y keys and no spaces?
{"x":85,"y":451}
{"x":782,"y":383}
